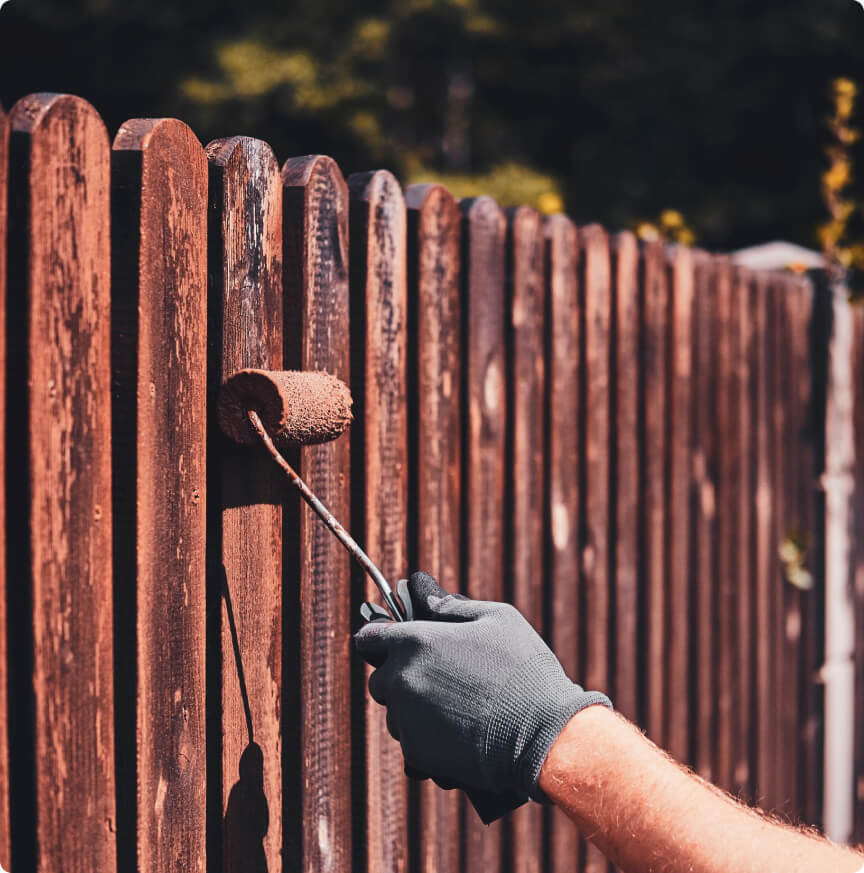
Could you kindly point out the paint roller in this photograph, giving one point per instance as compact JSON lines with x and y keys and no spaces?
{"x":293,"y":408}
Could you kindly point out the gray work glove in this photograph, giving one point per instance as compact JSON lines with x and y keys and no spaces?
{"x":473,"y":694}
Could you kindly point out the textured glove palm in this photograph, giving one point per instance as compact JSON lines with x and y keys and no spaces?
{"x":473,"y":694}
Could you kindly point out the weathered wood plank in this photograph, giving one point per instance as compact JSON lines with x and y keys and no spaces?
{"x":624,"y":427}
{"x":317,"y":784}
{"x":485,"y":423}
{"x":727,"y":461}
{"x":744,"y":561}
{"x":563,"y":583}
{"x":680,"y":418}
{"x":704,"y":472}
{"x":435,"y":393}
{"x":653,"y":431}
{"x":597,"y":504}
{"x":763,"y":511}
{"x":245,"y":299}
{"x":61,"y":705}
{"x":780,"y":491}
{"x":378,"y":292}
{"x":159,"y":191}
{"x":809,"y":735}
{"x":790,"y":533}
{"x":526,"y":405}
{"x":5,"y":847}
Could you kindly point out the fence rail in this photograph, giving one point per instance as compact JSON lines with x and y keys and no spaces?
{"x":623,"y":438}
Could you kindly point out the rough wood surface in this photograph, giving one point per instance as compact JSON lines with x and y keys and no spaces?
{"x":597,"y":502}
{"x":317,"y":789}
{"x":435,"y":428}
{"x":60,"y":615}
{"x":5,"y":847}
{"x":790,"y":533}
{"x":743,"y":561}
{"x":724,"y":643}
{"x":653,"y":469}
{"x":526,"y":485}
{"x":704,"y":555}
{"x":245,"y":255}
{"x":378,"y":292}
{"x":779,"y":488}
{"x":562,"y":535}
{"x":680,"y":417}
{"x":624,"y":457}
{"x":484,"y":435}
{"x":763,"y":510}
{"x":160,"y":211}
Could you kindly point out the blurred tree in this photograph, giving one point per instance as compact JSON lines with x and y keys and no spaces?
{"x":617,"y":107}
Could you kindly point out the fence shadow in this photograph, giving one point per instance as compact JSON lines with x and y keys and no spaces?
{"x":247,"y":814}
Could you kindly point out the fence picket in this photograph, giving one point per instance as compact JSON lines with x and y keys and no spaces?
{"x":245,"y":490}
{"x":726,"y":527}
{"x":317,"y":785}
{"x":160,"y":306}
{"x":485,"y":429}
{"x":435,"y":428}
{"x":563,"y":584}
{"x":60,"y":616}
{"x":743,"y":561}
{"x":680,"y":417}
{"x":378,"y":232}
{"x":704,"y":556}
{"x":653,"y":431}
{"x":624,"y":457}
{"x":526,"y":405}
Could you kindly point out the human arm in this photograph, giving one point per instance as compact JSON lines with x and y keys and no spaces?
{"x":650,"y":815}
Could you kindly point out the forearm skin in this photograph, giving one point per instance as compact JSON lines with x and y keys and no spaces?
{"x":650,"y":815}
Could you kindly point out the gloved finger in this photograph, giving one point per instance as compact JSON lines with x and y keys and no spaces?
{"x":392,"y":724}
{"x":427,"y":594}
{"x":414,"y":773}
{"x":373,"y":642}
{"x":380,"y":683}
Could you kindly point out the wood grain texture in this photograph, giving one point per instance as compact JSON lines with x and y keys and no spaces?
{"x":763,"y":515}
{"x":597,"y":501}
{"x":245,"y":300}
{"x":653,"y":474}
{"x":526,"y":405}
{"x":378,"y":290}
{"x":563,"y":439}
{"x":435,"y":428}
{"x":60,"y":613}
{"x":624,"y":458}
{"x":779,"y":488}
{"x":5,"y":846}
{"x":791,"y":532}
{"x":317,"y":791}
{"x":727,"y":460}
{"x":160,"y":339}
{"x":484,"y":444}
{"x":743,"y":400}
{"x":806,"y":774}
{"x":704,"y":555}
{"x":680,"y":418}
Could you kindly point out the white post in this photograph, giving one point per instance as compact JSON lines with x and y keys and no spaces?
{"x":838,"y":672}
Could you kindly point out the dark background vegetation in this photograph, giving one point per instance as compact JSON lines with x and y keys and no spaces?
{"x":618,"y":108}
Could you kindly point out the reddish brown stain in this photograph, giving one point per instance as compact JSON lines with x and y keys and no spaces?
{"x":63,"y":275}
{"x":433,"y":288}
{"x":165,"y":166}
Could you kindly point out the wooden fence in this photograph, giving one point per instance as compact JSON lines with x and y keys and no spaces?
{"x":617,"y":436}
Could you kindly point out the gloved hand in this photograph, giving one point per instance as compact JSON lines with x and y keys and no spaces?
{"x":473,"y":694}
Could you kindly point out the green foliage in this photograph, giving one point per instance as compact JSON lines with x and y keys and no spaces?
{"x":618,"y":107}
